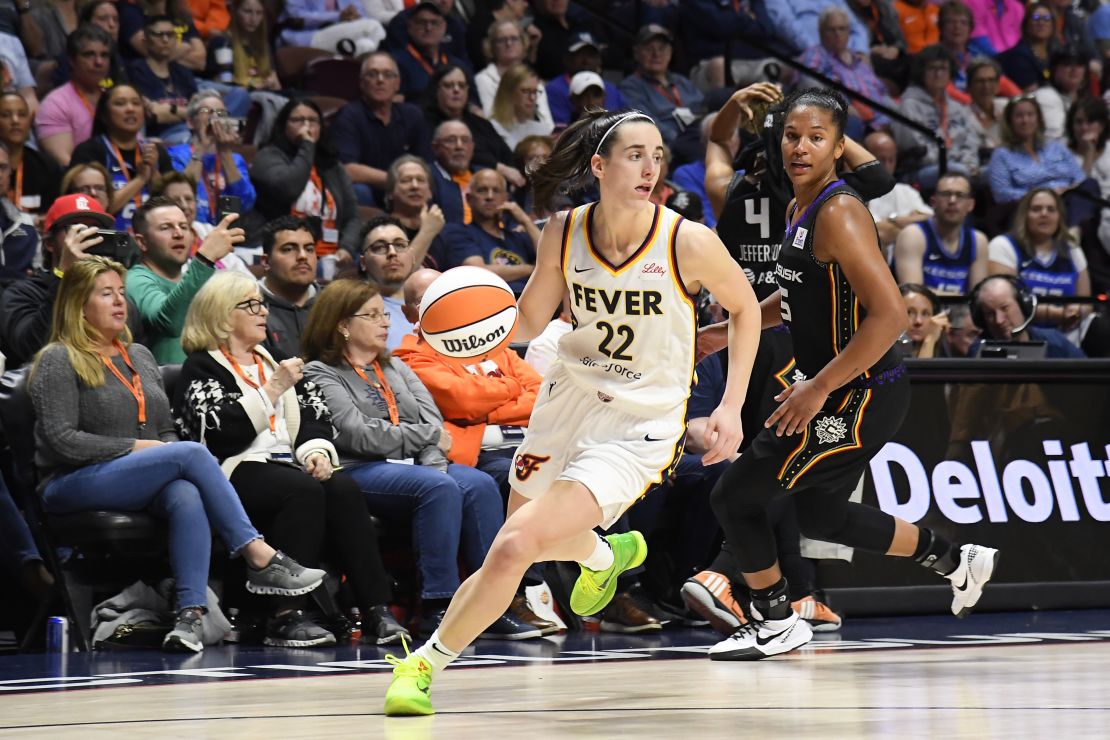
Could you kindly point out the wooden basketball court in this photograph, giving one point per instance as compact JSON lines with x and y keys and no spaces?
{"x":1010,"y":675}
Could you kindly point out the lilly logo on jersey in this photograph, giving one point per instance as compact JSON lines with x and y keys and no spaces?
{"x":964,"y":494}
{"x":473,"y":342}
{"x":653,"y":271}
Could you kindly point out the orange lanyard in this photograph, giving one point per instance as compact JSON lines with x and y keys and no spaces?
{"x":123,"y":167}
{"x":261,"y":377}
{"x":420,"y":59}
{"x":84,"y":100}
{"x":327,"y":214}
{"x":382,"y":386}
{"x":136,"y":384}
{"x":673,"y":95}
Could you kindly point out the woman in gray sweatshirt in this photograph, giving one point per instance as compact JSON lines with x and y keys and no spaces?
{"x":104,"y":440}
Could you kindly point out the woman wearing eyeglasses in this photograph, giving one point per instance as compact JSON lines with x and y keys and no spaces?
{"x":391,"y":438}
{"x":299,"y":174}
{"x":1026,"y":62}
{"x":515,"y":110}
{"x":505,"y":47}
{"x":91,"y":179}
{"x":271,"y":432}
{"x":446,"y":99}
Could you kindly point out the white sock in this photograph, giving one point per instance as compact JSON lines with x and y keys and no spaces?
{"x":438,"y":655}
{"x":602,"y":556}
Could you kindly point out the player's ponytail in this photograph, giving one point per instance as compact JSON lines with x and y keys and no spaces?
{"x":568,"y":168}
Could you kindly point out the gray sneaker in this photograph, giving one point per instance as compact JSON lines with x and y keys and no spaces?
{"x":294,"y":629}
{"x":284,"y":576}
{"x":186,"y":635}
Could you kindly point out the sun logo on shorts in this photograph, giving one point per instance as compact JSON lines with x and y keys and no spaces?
{"x":527,"y":464}
{"x":830,"y":430}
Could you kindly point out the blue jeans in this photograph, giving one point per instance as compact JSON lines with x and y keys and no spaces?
{"x":459,"y":508}
{"x":180,"y":482}
{"x":17,"y":547}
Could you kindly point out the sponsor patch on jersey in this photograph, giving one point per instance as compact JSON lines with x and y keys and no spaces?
{"x":653,"y":271}
{"x":604,"y":397}
{"x":800,"y":238}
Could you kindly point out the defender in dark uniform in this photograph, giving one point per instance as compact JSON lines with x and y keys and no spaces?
{"x":844,"y":312}
{"x":750,"y":196}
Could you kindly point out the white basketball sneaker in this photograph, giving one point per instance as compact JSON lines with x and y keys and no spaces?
{"x":762,"y":638}
{"x":977,"y":564}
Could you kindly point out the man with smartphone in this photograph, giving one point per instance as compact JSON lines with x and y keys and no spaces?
{"x":74,"y":230}
{"x":210,"y":158}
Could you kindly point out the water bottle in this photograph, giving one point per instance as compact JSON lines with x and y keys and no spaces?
{"x":354,"y":630}
{"x":232,"y":634}
{"x":224,"y":63}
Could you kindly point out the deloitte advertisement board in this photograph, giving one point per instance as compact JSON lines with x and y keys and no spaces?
{"x":1021,"y":466}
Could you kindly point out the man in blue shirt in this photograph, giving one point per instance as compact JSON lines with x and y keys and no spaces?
{"x":489,"y":240}
{"x":372,"y":132}
{"x":669,"y":98}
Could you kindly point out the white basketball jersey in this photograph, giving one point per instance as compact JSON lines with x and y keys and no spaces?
{"x":634,"y":324}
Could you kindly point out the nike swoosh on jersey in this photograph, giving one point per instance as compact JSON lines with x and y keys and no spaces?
{"x":649,"y":438}
{"x":583,"y":269}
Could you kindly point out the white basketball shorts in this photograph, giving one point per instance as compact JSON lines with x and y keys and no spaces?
{"x":574,"y":434}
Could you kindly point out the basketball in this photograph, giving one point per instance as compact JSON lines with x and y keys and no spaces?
{"x":467,"y":314}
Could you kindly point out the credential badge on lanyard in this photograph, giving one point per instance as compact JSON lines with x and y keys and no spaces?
{"x":800,"y":238}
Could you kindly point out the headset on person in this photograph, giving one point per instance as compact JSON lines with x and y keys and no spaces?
{"x":1026,"y":299}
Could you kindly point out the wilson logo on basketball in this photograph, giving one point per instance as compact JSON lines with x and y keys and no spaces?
{"x":527,"y":464}
{"x":473,"y":342}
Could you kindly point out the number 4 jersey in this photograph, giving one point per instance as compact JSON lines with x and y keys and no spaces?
{"x":634,"y":323}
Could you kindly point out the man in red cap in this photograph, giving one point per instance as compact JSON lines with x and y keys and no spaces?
{"x":71,"y":230}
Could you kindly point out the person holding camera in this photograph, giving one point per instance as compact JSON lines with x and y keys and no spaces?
{"x":210,"y":158}
{"x":72,"y":232}
{"x":159,"y":286}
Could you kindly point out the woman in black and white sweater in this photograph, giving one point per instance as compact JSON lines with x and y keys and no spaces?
{"x":271,"y":432}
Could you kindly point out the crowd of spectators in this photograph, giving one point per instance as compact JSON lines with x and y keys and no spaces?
{"x":174,"y":170}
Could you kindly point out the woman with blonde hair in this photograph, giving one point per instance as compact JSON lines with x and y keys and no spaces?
{"x":271,"y":432}
{"x":515,"y":111}
{"x":1040,"y":250}
{"x":506,"y":46}
{"x":104,"y":439}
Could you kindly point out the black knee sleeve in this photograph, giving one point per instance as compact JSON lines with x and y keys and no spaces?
{"x":833,"y":518}
{"x":740,"y":501}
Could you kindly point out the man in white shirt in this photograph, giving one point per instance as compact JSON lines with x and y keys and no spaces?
{"x":900,"y":207}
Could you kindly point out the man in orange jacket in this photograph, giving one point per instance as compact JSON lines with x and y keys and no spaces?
{"x":485,"y":406}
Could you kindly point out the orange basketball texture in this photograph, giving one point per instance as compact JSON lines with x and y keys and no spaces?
{"x":467,"y":314}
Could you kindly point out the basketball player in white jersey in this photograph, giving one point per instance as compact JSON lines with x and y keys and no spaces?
{"x":608,"y":423}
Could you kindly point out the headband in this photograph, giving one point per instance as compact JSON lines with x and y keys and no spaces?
{"x":618,"y":122}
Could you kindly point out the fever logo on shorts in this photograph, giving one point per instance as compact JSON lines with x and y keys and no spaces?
{"x":527,"y":464}
{"x":830,"y":430}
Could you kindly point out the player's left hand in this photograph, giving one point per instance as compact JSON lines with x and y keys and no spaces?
{"x":800,"y":403}
{"x":724,"y":434}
